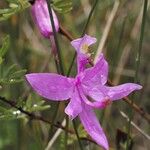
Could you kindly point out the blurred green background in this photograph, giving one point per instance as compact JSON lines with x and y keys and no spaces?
{"x":117,"y":27}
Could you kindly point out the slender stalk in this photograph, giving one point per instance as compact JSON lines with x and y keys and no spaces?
{"x":135,"y":126}
{"x":55,"y":36}
{"x":54,"y":50}
{"x":89,"y":17}
{"x":55,"y":136}
{"x":138,"y":55}
{"x":59,"y":61}
{"x":53,"y":118}
{"x":75,"y":129}
{"x":118,"y":49}
{"x":65,"y":33}
{"x":137,"y":61}
{"x":107,"y":29}
{"x":72,"y":62}
{"x":66,"y":133}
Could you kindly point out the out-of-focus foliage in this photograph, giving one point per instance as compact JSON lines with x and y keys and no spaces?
{"x":11,"y":74}
{"x":14,"y":6}
{"x":62,"y":6}
{"x":28,"y":105}
{"x":4,"y":48}
{"x":73,"y":138}
{"x":31,"y":106}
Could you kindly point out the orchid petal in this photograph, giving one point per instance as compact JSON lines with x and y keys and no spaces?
{"x":97,"y":74}
{"x":82,"y":61}
{"x":96,"y":104}
{"x":79,"y":43}
{"x":92,"y":126}
{"x":74,"y":106}
{"x":104,"y":95}
{"x":98,"y":93}
{"x":51,"y":86}
{"x":120,"y":91}
{"x":81,"y":46}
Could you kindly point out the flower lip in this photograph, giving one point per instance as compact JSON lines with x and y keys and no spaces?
{"x":81,"y":45}
{"x":85,"y":48}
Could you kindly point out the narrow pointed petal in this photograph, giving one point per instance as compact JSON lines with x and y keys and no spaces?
{"x":81,"y":44}
{"x":51,"y":86}
{"x":120,"y":91}
{"x":96,"y":75}
{"x":74,"y":106}
{"x":103,"y":95}
{"x":41,"y":18}
{"x":92,"y":126}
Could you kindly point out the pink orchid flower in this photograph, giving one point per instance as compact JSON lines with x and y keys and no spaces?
{"x":86,"y":91}
{"x":41,"y":18}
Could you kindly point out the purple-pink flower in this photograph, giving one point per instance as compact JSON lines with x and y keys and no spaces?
{"x":41,"y":18}
{"x":88,"y":90}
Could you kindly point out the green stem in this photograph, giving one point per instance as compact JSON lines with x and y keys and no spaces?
{"x":137,"y":61}
{"x":138,"y":56}
{"x":117,"y":54}
{"x":53,"y":118}
{"x":58,"y":53}
{"x":71,"y":65}
{"x":55,"y":36}
{"x":54,"y":50}
{"x":89,"y":17}
{"x":76,"y":132}
{"x":66,"y":133}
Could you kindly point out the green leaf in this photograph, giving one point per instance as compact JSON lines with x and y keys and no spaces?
{"x":33,"y":106}
{"x":1,"y":60}
{"x":39,"y":108}
{"x":10,"y":114}
{"x":4,"y":48}
{"x":2,"y":110}
{"x":73,"y":137}
{"x":62,"y":6}
{"x":11,"y":75}
{"x":14,"y":6}
{"x":10,"y":70}
{"x":18,"y":74}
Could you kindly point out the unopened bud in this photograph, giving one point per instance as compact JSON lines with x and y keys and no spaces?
{"x":41,"y":18}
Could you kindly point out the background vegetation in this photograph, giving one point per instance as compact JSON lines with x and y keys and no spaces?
{"x":122,"y":30}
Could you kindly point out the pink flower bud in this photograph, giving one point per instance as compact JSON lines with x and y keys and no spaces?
{"x":41,"y":18}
